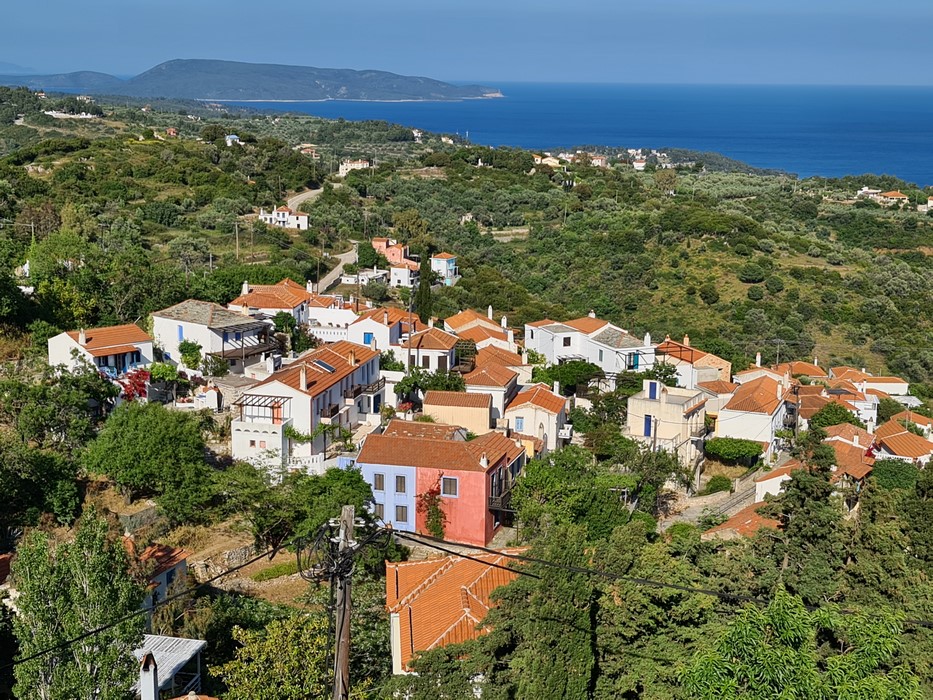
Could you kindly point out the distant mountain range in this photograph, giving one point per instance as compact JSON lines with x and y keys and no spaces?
{"x":229,"y":80}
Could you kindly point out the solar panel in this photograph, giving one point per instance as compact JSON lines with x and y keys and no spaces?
{"x":323,"y":365}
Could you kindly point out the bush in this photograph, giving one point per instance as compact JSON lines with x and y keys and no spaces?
{"x":756,"y":293}
{"x":716,"y":484}
{"x":286,"y":568}
{"x":750,"y":273}
{"x":733,"y":449}
{"x":708,"y":294}
{"x":774,"y":284}
{"x":894,"y":474}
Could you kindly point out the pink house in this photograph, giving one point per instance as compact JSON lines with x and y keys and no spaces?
{"x":394,"y":252}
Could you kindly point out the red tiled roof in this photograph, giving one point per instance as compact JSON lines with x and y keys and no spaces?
{"x":431,"y":339}
{"x":745,"y":523}
{"x":449,"y":455}
{"x":420,"y":429}
{"x":460,"y":399}
{"x":468,"y":316}
{"x":490,"y":375}
{"x":757,"y":396}
{"x":539,"y":324}
{"x":894,"y":194}
{"x":852,"y":460}
{"x":586,"y":324}
{"x":810,"y":405}
{"x":848,"y":433}
{"x":718,"y":387}
{"x":849,"y":373}
{"x":480,"y":333}
{"x":442,"y":601}
{"x":897,"y":440}
{"x":494,"y":355}
{"x":286,"y":294}
{"x":114,"y":350}
{"x":160,"y":556}
{"x":319,"y":379}
{"x":443,"y":256}
{"x":538,"y":395}
{"x":797,"y":368}
{"x":783,"y":470}
{"x":913,"y":417}
{"x":680,"y":351}
{"x":112,"y":337}
{"x":390,"y":315}
{"x":892,"y":427}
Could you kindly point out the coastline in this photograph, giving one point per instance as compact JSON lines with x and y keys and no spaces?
{"x":489,"y":96}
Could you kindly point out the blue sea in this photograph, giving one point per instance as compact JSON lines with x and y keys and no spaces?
{"x":807,"y":130}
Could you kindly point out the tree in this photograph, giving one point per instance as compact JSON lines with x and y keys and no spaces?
{"x":289,"y":660}
{"x":429,"y":506}
{"x":376,"y":290}
{"x":666,"y":180}
{"x":64,"y":591}
{"x":569,"y":375}
{"x":190,"y":354}
{"x":424,"y":300}
{"x":767,"y":653}
{"x":834,"y":414}
{"x":733,"y":450}
{"x":887,"y":409}
{"x":892,"y":474}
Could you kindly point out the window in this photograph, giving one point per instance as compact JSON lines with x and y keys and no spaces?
{"x":237,"y":335}
{"x":652,"y":390}
{"x":226,"y":337}
{"x":426,"y":362}
{"x":442,"y":363}
{"x":262,"y":444}
{"x":450,"y":486}
{"x":181,"y":332}
{"x":399,"y":484}
{"x":379,"y":482}
{"x":567,"y":342}
{"x":532,"y":334}
{"x":367,"y":338}
{"x":600,"y":355}
{"x":632,"y":361}
{"x":252,"y":443}
{"x":401,"y":514}
{"x":519,"y":424}
{"x":647,"y":432}
{"x":379,"y":510}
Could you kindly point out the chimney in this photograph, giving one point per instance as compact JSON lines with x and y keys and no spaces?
{"x":757,"y":359}
{"x":647,"y":340}
{"x":557,"y":388}
{"x":592,"y":314}
{"x":855,"y":440}
{"x":489,"y":312}
{"x":511,"y":335}
{"x":686,"y":340}
{"x":372,"y":343}
{"x":483,"y":461}
{"x":385,"y":317}
{"x":303,"y":378}
{"x":779,"y":390}
{"x":816,"y":362}
{"x":352,"y":358}
{"x":309,"y":287}
{"x":431,"y":322}
{"x":524,"y":356}
{"x":245,"y":288}
{"x":148,"y":678}
{"x":504,"y":323}
{"x":82,"y":337}
{"x":863,"y":371}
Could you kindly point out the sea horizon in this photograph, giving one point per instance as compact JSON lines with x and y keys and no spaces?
{"x":807,"y":130}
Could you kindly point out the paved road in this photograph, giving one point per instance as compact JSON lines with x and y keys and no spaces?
{"x":342,"y":259}
{"x":294,"y":202}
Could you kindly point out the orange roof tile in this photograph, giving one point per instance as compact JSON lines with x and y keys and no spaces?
{"x":431,"y":339}
{"x":461,"y":399}
{"x":494,"y":355}
{"x":680,"y":351}
{"x":852,"y":460}
{"x":718,"y":387}
{"x":913,"y":417}
{"x":783,"y":470}
{"x":760,"y":395}
{"x":894,"y":194}
{"x":745,"y":523}
{"x":444,"y":256}
{"x":112,"y":337}
{"x":443,"y":601}
{"x":539,"y":324}
{"x":892,"y":427}
{"x":586,"y":324}
{"x":907,"y":444}
{"x":449,"y":455}
{"x":800,"y":369}
{"x":419,"y":429}
{"x":538,"y":395}
{"x":848,"y":433}
{"x":491,"y":375}
{"x":480,"y":333}
{"x":810,"y":405}
{"x":389,"y":316}
{"x":160,"y":556}
{"x":468,"y":316}
{"x":336,"y":355}
{"x":286,"y":294}
{"x":848,"y":373}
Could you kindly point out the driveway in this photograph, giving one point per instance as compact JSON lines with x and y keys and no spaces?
{"x":301,"y":197}
{"x":334,"y":275}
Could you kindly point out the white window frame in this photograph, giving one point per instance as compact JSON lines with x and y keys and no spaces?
{"x":456,"y":482}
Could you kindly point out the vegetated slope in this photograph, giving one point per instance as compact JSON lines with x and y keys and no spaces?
{"x":232,"y":80}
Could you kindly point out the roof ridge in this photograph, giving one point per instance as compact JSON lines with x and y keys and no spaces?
{"x":414,"y":592}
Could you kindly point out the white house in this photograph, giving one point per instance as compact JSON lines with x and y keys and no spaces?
{"x":114,"y":350}
{"x":499,"y":382}
{"x":590,"y":339}
{"x":444,"y":265}
{"x":432,"y":350}
{"x":386,"y":327}
{"x":234,"y":337}
{"x":275,"y":421}
{"x":541,"y":413}
{"x":403,"y":276}
{"x":283,"y":217}
{"x":894,"y":441}
{"x":693,"y":366}
{"x":893,"y":386}
{"x":348,"y":165}
{"x":669,"y":418}
{"x":756,"y":412}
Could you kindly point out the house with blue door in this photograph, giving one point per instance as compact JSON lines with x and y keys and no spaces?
{"x":237,"y":338}
{"x":589,"y":339}
{"x":444,"y":265}
{"x":669,"y":418}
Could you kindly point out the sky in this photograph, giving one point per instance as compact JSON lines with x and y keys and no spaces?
{"x":862,"y":42}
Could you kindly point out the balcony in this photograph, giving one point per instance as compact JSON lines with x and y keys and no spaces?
{"x":565,"y":433}
{"x":699,"y":432}
{"x":375,"y":387}
{"x":501,"y":502}
{"x":352,"y":393}
{"x":329,"y":412}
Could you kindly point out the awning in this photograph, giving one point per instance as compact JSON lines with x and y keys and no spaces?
{"x":115,"y":350}
{"x":261,"y":401}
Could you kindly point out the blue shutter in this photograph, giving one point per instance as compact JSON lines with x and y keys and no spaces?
{"x":647,"y":426}
{"x":652,"y":390}
{"x":181,"y":332}
{"x":519,"y":424}
{"x":226,"y":337}
{"x":635,"y":363}
{"x":367,"y":338}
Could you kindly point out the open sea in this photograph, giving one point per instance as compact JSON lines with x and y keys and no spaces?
{"x":807,"y":130}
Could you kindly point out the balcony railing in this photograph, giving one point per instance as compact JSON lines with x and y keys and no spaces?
{"x":375,"y":387}
{"x":330,"y":411}
{"x":565,"y":433}
{"x":353,"y":392}
{"x":502,"y":501}
{"x":699,"y":431}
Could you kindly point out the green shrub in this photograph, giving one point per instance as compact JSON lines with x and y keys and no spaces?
{"x":716,"y":484}
{"x":755,"y":293}
{"x":750,"y":273}
{"x":733,"y":449}
{"x":286,"y":568}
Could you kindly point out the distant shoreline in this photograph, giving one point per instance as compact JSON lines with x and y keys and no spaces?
{"x":488,"y":96}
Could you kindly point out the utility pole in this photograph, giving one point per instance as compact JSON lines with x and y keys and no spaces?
{"x":236,"y":228}
{"x":344,"y":607}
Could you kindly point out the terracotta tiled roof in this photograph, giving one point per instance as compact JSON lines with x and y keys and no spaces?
{"x":852,"y":460}
{"x":849,"y":373}
{"x":490,"y":375}
{"x":112,"y":337}
{"x":431,"y":339}
{"x":586,"y":324}
{"x":444,"y":256}
{"x":797,"y":368}
{"x":892,"y":427}
{"x":745,"y":523}
{"x":540,"y":324}
{"x":468,"y":316}
{"x":680,"y":351}
{"x":419,"y":429}
{"x":913,"y":417}
{"x":160,"y":557}
{"x":319,"y":378}
{"x":877,"y":392}
{"x":810,"y":405}
{"x":442,"y":601}
{"x":844,"y":388}
{"x":538,"y":395}
{"x":286,"y":294}
{"x":760,"y":395}
{"x":449,"y":455}
{"x":480,"y":333}
{"x":810,"y":390}
{"x":783,"y":470}
{"x":389,"y":316}
{"x":848,"y":432}
{"x":894,"y":194}
{"x":902,"y":443}
{"x":718,"y":387}
{"x":462,"y":399}
{"x":493,"y":355}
